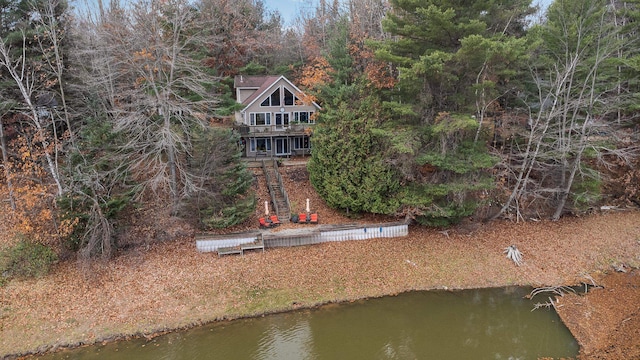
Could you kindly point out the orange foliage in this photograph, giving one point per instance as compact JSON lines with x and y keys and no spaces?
{"x":379,"y":75}
{"x":143,"y":55}
{"x":314,"y":75}
{"x":34,"y":195}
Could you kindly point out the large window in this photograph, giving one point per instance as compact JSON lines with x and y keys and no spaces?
{"x":301,"y":142}
{"x":289,"y":98}
{"x":260,"y":118}
{"x":263,"y":144}
{"x":303,"y":116}
{"x":273,"y":99}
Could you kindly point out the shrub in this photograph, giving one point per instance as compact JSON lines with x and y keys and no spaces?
{"x":27,"y":259}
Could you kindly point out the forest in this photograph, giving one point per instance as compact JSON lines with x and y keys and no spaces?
{"x":434,"y":111}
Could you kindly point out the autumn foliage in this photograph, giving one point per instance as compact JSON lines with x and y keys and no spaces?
{"x":34,"y":216}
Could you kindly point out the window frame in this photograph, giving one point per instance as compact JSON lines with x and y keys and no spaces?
{"x":294,"y":98}
{"x":300,"y":141}
{"x":253,"y":117}
{"x":309,"y":120}
{"x":254,"y":144}
{"x":272,"y":100}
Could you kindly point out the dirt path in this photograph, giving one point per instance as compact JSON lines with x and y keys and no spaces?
{"x":169,"y":285}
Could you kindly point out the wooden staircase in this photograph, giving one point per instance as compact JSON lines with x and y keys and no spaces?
{"x":279,"y":197}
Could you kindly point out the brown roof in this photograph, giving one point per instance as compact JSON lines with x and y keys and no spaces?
{"x":253,"y":81}
{"x":262,"y":83}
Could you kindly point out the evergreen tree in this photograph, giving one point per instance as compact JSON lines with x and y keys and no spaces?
{"x":371,"y":155}
{"x":224,"y":197}
{"x":348,"y":166}
{"x":447,"y":172}
{"x":432,"y":43}
{"x":627,"y":19}
{"x":100,"y":188}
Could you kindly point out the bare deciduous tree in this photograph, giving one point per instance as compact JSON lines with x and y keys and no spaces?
{"x":50,"y":20}
{"x":575,"y":106}
{"x":156,"y":92}
{"x":27,"y":82}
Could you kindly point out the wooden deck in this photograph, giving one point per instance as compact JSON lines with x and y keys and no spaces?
{"x":257,"y":244}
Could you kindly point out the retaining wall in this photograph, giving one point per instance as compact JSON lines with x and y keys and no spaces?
{"x":299,"y":237}
{"x":213,"y":243}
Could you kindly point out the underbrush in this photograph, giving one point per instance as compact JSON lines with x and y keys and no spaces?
{"x":25,"y":259}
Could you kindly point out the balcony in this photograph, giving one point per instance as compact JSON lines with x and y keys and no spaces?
{"x":290,"y":129}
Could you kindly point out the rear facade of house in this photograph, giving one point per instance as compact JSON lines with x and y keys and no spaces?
{"x":275,"y":120}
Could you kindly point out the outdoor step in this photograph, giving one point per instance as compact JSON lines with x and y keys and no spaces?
{"x":277,"y":192}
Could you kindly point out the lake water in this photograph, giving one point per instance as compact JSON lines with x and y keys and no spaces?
{"x":471,"y":324}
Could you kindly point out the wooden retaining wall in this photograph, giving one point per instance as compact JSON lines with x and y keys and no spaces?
{"x":209,"y":243}
{"x":302,"y":236}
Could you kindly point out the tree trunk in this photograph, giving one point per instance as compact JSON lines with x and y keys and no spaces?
{"x":5,"y":165}
{"x":26,"y":91}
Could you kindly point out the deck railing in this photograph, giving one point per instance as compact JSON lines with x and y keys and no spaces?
{"x":271,"y":192}
{"x":282,"y":188}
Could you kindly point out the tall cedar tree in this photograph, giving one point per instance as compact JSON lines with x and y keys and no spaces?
{"x":367,"y":144}
{"x":456,"y":63}
{"x":348,"y":166}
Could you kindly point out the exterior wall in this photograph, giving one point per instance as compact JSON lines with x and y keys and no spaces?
{"x":273,"y":110}
{"x":283,"y":135}
{"x":244,"y":94}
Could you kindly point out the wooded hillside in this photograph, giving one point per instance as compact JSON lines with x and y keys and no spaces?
{"x":433,"y":111}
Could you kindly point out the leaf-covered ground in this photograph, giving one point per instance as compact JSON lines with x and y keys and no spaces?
{"x":169,"y":285}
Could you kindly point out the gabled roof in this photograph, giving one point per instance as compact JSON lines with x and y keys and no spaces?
{"x":252,"y":81}
{"x":262,"y":84}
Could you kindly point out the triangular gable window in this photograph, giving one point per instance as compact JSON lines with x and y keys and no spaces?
{"x":289,"y":98}
{"x":273,"y":99}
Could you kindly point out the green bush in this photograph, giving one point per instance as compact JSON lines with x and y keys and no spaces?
{"x":27,"y":259}
{"x":586,"y":190}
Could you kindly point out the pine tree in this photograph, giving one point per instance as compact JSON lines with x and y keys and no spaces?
{"x":224,"y":197}
{"x":432,"y":43}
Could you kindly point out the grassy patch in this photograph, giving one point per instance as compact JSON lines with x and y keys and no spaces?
{"x":258,"y":300}
{"x":26,"y":259}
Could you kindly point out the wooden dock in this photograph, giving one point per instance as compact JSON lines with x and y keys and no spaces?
{"x":258,"y":244}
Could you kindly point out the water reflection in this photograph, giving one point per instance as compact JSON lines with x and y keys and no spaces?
{"x":286,"y":341}
{"x":472,"y":324}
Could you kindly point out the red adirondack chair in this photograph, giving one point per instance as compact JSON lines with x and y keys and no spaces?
{"x":313,"y":218}
{"x":302,"y":218}
{"x":264,"y":223}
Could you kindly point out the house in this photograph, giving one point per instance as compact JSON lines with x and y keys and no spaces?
{"x":274,"y":120}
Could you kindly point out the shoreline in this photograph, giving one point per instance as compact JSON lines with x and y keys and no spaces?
{"x":170,"y":287}
{"x":160,"y":332}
